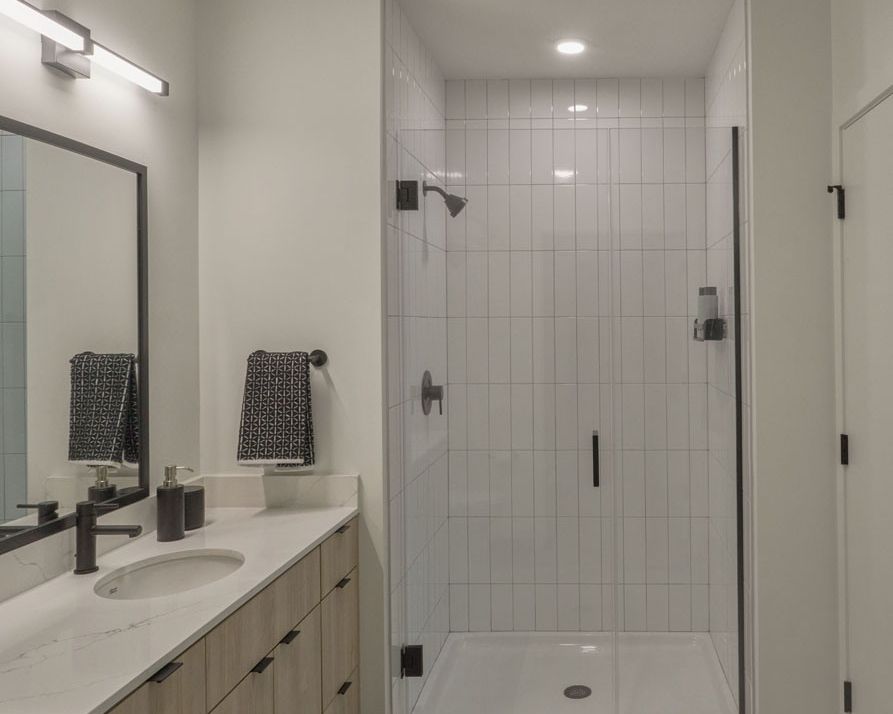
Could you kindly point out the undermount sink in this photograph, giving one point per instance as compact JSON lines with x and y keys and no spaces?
{"x":169,"y":574}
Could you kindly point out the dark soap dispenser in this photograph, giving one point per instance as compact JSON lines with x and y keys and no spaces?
{"x":171,"y":506}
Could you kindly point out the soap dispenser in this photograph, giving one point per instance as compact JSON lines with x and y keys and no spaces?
{"x":171,"y":506}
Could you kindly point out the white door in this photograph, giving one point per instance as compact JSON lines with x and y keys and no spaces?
{"x":867,"y":292}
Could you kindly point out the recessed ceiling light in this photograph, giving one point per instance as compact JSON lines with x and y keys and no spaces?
{"x":578,"y":108}
{"x":570,"y":47}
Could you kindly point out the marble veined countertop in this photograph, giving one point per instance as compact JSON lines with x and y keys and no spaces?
{"x":65,"y":650}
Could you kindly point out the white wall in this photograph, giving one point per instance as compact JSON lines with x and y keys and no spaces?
{"x":291,"y":241}
{"x":155,"y":131}
{"x":417,"y":332}
{"x":726,"y":108}
{"x":793,"y":357}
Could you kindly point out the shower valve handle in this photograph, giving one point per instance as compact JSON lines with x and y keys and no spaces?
{"x":431,"y":392}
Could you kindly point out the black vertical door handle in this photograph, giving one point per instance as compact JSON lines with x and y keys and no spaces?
{"x":595,"y":473}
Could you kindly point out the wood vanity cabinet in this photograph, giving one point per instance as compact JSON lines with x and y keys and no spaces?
{"x":177,"y":688}
{"x":292,"y":649}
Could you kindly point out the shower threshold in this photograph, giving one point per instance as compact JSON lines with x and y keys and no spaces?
{"x":528,"y":673}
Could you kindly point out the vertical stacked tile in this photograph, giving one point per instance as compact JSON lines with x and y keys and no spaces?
{"x":417,"y":340}
{"x":570,"y":287}
{"x":726,"y":108}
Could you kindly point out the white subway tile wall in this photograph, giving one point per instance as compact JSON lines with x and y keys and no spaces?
{"x":419,"y":470}
{"x":13,"y":463}
{"x":726,"y":93}
{"x":570,"y":288}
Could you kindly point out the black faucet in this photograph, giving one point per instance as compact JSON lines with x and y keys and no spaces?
{"x":87,"y":530}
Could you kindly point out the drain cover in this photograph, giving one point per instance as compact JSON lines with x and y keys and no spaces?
{"x":577,"y":691}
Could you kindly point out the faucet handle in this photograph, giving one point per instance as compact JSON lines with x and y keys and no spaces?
{"x":46,"y":510}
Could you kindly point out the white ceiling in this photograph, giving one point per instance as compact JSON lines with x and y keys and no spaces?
{"x":515,"y":38}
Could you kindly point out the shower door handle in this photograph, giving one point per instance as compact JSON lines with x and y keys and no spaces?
{"x":595,"y":472}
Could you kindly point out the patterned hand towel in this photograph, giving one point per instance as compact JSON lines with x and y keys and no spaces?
{"x":277,"y":419}
{"x":104,"y":412}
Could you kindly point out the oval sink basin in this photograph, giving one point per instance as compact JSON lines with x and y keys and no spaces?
{"x":168,"y":574}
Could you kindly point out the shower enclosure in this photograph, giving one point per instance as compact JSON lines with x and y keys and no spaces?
{"x":569,"y":528}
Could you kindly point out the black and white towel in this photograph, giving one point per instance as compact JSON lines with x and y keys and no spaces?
{"x":104,"y":411}
{"x":277,"y":419}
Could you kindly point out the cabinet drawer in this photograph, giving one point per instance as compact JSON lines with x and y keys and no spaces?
{"x":347,"y":701}
{"x":340,"y":648}
{"x":178,"y":688}
{"x":246,"y":636}
{"x":298,"y":674}
{"x":339,"y":555}
{"x":255,"y":694}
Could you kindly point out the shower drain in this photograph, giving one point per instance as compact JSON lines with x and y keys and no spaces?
{"x":577,"y":691}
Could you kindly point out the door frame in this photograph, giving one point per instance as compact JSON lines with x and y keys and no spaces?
{"x":838,"y":238}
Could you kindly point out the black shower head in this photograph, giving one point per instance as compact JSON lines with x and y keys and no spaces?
{"x":454,"y":203}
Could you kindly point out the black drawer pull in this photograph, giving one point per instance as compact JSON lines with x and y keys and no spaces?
{"x":262,"y":665}
{"x":165,"y":672}
{"x":290,"y":637}
{"x":343,"y":529}
{"x":342,"y":583}
{"x":344,"y":688}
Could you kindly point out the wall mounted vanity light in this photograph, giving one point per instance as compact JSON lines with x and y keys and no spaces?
{"x":68,"y":47}
{"x":26,"y":14}
{"x":123,"y":67}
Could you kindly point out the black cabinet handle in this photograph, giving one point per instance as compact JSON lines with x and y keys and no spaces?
{"x":595,"y":473}
{"x":342,"y":583}
{"x":343,"y":529}
{"x":290,"y":637}
{"x":262,"y":665}
{"x":165,"y":672}
{"x":344,"y":688}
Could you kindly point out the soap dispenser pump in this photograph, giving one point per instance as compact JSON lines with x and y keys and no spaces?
{"x":171,"y":506}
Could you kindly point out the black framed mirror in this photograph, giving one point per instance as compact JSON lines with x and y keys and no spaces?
{"x":74,"y":347}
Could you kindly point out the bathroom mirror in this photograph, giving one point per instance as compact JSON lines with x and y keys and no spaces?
{"x":73,"y":347}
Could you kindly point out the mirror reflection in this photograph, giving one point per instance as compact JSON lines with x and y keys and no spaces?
{"x":69,"y":403}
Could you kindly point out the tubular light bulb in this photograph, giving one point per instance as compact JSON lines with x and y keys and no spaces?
{"x":34,"y":19}
{"x":578,"y":108}
{"x":107,"y":59}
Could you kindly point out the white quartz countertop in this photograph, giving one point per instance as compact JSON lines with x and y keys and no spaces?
{"x":65,"y":650}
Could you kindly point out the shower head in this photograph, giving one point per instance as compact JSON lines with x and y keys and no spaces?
{"x":454,"y":203}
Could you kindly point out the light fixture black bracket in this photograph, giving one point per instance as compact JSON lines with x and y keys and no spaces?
{"x":841,"y":200}
{"x":407,"y":195}
{"x":411,"y":661}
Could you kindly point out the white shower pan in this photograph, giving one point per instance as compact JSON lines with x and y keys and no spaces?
{"x":521,"y":673}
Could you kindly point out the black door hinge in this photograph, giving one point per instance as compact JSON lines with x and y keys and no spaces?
{"x":848,"y":697}
{"x":844,"y":449}
{"x":411,"y":661}
{"x":841,"y":200}
{"x":407,"y":195}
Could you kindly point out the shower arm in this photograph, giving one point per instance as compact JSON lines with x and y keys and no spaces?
{"x":437,"y":189}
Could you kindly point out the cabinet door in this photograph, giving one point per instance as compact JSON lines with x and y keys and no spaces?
{"x":340,"y":646}
{"x":298,"y":675}
{"x":136,"y":703}
{"x":339,"y":555}
{"x":347,"y":701}
{"x":253,"y":695}
{"x":177,"y":688}
{"x":240,"y":641}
